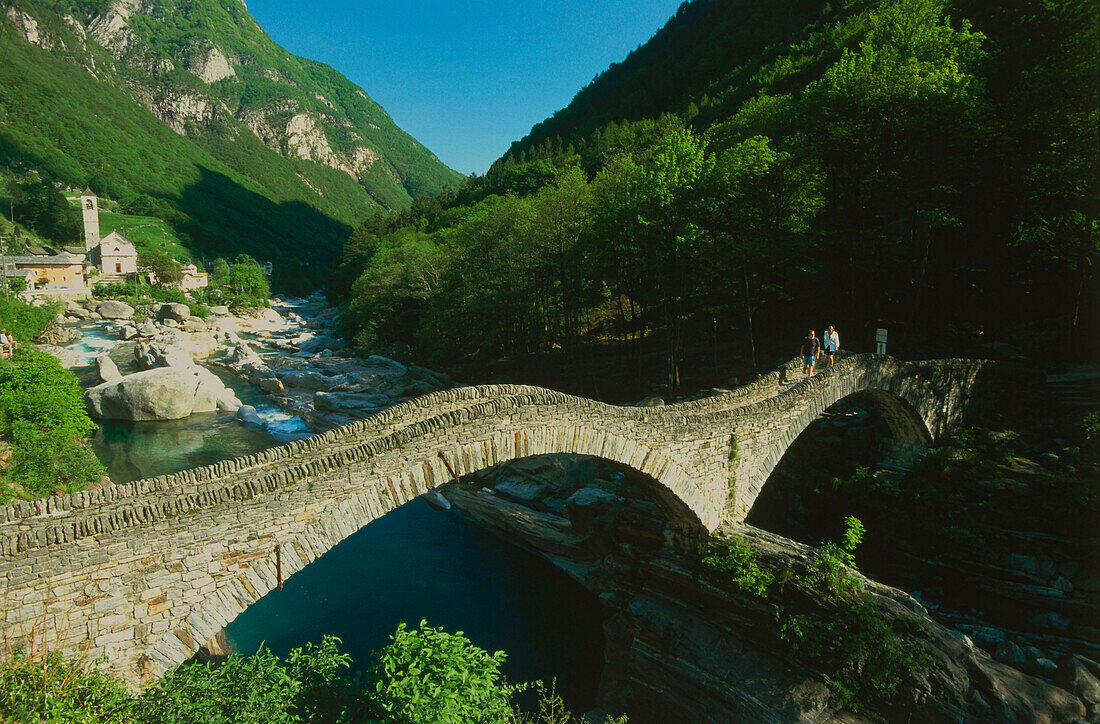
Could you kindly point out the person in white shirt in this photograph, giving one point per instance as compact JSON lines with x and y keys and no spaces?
{"x":831,"y":344}
{"x":5,"y":344}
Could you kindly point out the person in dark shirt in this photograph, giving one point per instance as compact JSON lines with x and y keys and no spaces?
{"x":811,"y":350}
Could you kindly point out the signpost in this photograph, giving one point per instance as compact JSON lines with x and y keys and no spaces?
{"x":880,"y":341}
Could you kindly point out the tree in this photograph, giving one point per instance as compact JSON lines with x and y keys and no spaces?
{"x":761,"y":199}
{"x":162,"y":269}
{"x":247,"y":281}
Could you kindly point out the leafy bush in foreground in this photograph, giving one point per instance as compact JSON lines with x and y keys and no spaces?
{"x":424,"y":675}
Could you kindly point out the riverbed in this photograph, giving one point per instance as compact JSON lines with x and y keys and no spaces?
{"x":416,"y":563}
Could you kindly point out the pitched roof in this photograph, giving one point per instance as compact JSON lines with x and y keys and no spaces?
{"x":88,"y":192}
{"x":117,"y":239}
{"x":63,"y":259}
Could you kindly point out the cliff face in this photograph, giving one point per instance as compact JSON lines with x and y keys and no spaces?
{"x":148,"y":96}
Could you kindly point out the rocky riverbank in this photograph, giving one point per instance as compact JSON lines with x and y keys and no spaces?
{"x":686,"y":645}
{"x":159,"y":366}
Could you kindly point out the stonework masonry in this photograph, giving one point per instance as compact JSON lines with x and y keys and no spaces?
{"x":146,"y":572}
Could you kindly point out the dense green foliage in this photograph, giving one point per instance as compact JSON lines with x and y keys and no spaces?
{"x":424,"y":675}
{"x":901,"y":163}
{"x":42,"y":419}
{"x":219,"y":186}
{"x":241,"y":285}
{"x":37,"y":205}
{"x":23,"y":321}
{"x":829,"y":620}
{"x":429,"y":676}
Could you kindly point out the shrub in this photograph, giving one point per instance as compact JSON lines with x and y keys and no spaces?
{"x":242,"y":690}
{"x":429,"y":676}
{"x":1090,"y":425}
{"x":42,"y":414}
{"x":34,"y":387}
{"x":24,"y":321}
{"x":115,"y":290}
{"x":856,"y":641}
{"x":739,"y":562}
{"x":199,"y":310}
{"x":830,"y":572}
{"x":55,"y":689}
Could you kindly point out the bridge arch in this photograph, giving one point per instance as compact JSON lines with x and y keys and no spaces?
{"x":917,"y":402}
{"x":420,"y":473}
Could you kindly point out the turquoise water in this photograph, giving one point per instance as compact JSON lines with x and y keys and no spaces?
{"x":417,"y":563}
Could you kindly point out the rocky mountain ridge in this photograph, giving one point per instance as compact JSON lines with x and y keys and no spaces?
{"x":296,"y":123}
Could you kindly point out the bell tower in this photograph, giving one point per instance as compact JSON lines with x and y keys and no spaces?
{"x":89,"y":207}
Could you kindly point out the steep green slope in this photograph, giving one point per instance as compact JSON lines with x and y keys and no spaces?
{"x":190,"y":112}
{"x":705,"y":51}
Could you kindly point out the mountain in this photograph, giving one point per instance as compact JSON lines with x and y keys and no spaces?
{"x":188,"y":110}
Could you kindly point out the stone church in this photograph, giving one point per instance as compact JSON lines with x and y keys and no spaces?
{"x":112,"y":255}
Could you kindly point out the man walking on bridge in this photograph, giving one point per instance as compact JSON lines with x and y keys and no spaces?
{"x":811,"y":350}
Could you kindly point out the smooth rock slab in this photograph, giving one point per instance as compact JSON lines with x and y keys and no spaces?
{"x":107,"y":369}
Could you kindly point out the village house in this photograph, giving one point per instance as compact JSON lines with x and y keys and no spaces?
{"x":193,"y":278}
{"x":115,"y":255}
{"x":61,"y":271}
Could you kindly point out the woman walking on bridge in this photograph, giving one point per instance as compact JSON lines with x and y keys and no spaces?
{"x":831,"y":342}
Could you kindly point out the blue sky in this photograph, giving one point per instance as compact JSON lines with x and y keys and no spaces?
{"x":465,"y":78}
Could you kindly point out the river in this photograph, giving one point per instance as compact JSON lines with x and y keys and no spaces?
{"x":415,"y":563}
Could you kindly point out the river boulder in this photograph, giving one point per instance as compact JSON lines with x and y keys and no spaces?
{"x":167,"y":393}
{"x":106,"y":368}
{"x":178,"y":312}
{"x":152,"y":354}
{"x":244,"y":356}
{"x":75,"y":310}
{"x":114,"y":309}
{"x":68,"y":358}
{"x":312,"y":380}
{"x":248,"y":415}
{"x":194,"y":325}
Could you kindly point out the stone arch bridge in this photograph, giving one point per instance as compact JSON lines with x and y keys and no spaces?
{"x":146,"y":572}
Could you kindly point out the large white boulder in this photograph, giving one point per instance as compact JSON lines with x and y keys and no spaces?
{"x":166,"y":393}
{"x":113,"y":309}
{"x":107,"y":369}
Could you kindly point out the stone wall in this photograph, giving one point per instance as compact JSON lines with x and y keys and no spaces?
{"x":144,"y":573}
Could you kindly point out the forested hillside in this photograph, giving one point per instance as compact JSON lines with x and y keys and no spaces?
{"x":191,"y":112}
{"x":922,"y":165}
